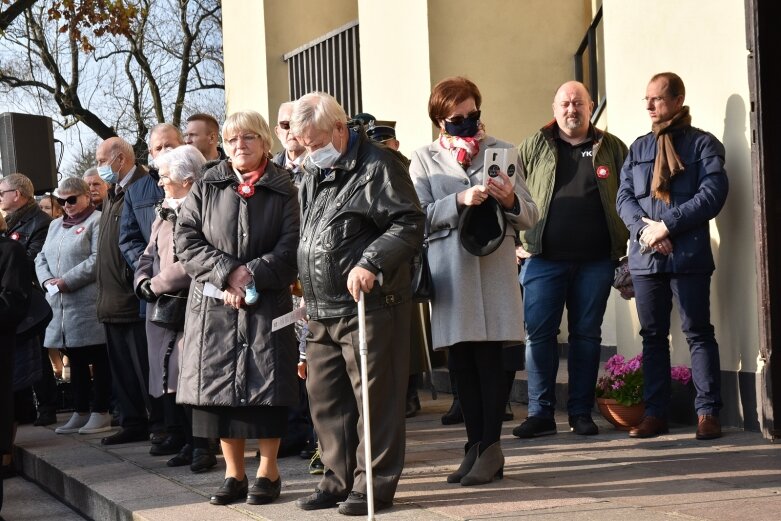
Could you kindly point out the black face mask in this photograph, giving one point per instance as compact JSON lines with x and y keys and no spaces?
{"x":467,"y":128}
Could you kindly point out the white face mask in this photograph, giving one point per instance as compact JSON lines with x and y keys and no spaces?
{"x":325,"y":157}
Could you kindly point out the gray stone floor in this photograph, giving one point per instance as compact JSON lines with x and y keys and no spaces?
{"x":605,"y":477}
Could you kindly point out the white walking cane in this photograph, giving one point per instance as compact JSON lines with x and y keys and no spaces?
{"x":367,"y":439}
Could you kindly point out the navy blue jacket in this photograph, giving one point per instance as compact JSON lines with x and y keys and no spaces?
{"x":138,"y":214}
{"x":697,"y":196}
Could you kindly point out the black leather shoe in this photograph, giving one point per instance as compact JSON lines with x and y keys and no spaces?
{"x":583,"y":424}
{"x":183,"y":457}
{"x":358,"y":505}
{"x":454,"y":415}
{"x":264,"y":491}
{"x":203,"y":460}
{"x":231,"y":490}
{"x":170,"y":445}
{"x":156,"y":438}
{"x":319,"y":500}
{"x":125,"y":436}
{"x":413,"y":405}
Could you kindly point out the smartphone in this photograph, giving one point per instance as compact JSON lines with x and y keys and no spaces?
{"x":496,"y":159}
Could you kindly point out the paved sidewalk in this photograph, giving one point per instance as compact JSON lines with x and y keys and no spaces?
{"x":605,"y":477}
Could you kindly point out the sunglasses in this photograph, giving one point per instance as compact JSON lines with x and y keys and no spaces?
{"x":70,"y":200}
{"x":458,"y":119}
{"x":284,"y":125}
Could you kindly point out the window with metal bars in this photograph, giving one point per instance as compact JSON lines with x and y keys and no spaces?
{"x":329,"y":64}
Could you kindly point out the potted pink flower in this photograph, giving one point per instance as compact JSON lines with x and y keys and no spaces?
{"x":620,"y":390}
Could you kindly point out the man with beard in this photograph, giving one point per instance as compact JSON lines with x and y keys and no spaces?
{"x":572,"y":171}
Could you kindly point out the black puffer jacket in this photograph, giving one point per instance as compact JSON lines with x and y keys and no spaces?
{"x":366,"y":213}
{"x":28,"y":226}
{"x":230,"y":357}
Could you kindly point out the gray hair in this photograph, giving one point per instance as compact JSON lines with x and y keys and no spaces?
{"x":184,"y":163}
{"x":74,"y":185}
{"x":316,"y":110}
{"x":247,"y":120}
{"x":21,"y":183}
{"x":162,"y":127}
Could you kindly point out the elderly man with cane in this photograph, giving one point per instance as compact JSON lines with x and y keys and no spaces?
{"x":361,"y":220}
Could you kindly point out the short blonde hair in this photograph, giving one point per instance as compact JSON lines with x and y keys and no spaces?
{"x":249,"y":121}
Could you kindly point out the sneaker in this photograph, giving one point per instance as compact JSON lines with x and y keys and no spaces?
{"x":76,"y":422}
{"x":98,"y":422}
{"x":316,"y":464}
{"x":357,"y":505}
{"x":583,"y":424}
{"x":535,"y":426}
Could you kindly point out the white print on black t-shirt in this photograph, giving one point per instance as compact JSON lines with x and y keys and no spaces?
{"x":586,"y":153}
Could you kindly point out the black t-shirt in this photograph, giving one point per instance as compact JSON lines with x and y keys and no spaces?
{"x":576,"y":227}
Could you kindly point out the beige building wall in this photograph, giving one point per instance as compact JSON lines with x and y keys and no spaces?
{"x":706,"y":47}
{"x":244,"y":52}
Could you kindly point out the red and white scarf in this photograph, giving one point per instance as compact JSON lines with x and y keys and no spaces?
{"x":464,"y":149}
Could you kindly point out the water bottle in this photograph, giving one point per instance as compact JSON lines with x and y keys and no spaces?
{"x":250,"y":294}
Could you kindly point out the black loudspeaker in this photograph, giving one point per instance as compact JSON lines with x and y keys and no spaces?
{"x":27,"y":147}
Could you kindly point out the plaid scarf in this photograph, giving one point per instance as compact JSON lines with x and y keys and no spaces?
{"x":667,"y":163}
{"x":464,"y":149}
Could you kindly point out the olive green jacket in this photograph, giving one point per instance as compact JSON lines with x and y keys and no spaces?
{"x":538,"y":158}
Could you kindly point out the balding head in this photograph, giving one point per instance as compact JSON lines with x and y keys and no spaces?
{"x":116,"y":153}
{"x":572,"y":108}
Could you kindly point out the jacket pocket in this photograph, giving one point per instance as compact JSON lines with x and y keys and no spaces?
{"x":341,"y":250}
{"x":642,"y":173}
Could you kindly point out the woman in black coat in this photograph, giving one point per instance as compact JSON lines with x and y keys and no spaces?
{"x":238,"y":231}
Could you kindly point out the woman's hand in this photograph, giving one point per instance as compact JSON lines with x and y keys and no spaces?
{"x":239,"y":277}
{"x":501,"y":189}
{"x":59,"y":283}
{"x":233,"y":297}
{"x":473,"y":196}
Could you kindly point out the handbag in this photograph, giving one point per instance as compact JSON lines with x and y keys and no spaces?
{"x":622,"y":279}
{"x":169,"y":310}
{"x":422,"y":284}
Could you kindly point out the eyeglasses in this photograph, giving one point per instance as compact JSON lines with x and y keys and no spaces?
{"x":654,"y":99}
{"x":3,"y":192}
{"x":70,"y":200}
{"x":246,"y":138}
{"x":458,"y":119}
{"x":284,"y":125}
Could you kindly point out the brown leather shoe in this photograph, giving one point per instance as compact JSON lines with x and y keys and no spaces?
{"x":650,"y":427}
{"x":708,"y":427}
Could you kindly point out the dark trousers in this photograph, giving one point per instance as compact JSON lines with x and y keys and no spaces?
{"x":482,"y":389}
{"x":653,"y":295}
{"x":129,"y":362}
{"x":334,"y":386}
{"x":81,"y":381}
{"x":46,"y":388}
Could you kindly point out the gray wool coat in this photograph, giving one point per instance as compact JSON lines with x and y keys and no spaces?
{"x":476,"y":299}
{"x":70,"y":254}
{"x":157,"y":263}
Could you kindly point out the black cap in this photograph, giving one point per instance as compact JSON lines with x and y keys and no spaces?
{"x":481,"y":228}
{"x":382,"y":130}
{"x":364,"y":118}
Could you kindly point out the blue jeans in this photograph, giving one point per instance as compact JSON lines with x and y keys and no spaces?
{"x":653,"y":295}
{"x":548,"y":286}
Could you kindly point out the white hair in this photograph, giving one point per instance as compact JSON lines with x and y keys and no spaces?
{"x":316,"y":110}
{"x":184,"y":163}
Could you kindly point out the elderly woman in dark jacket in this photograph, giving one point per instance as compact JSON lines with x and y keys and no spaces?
{"x":15,"y":288}
{"x":238,"y":232}
{"x":159,"y":272}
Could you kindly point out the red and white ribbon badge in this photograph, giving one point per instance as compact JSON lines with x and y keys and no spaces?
{"x":603,"y":172}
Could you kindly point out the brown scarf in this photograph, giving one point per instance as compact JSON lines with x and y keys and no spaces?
{"x":668,"y":163}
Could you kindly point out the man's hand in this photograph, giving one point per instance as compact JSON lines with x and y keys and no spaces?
{"x":359,"y":279}
{"x":653,"y":233}
{"x":665,"y":247}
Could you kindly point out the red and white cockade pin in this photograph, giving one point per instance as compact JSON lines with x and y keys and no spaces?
{"x":246,"y":190}
{"x":80,"y":230}
{"x":602,"y":172}
{"x":15,"y":236}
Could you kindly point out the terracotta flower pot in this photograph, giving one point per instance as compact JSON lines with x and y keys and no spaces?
{"x":623,"y":417}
